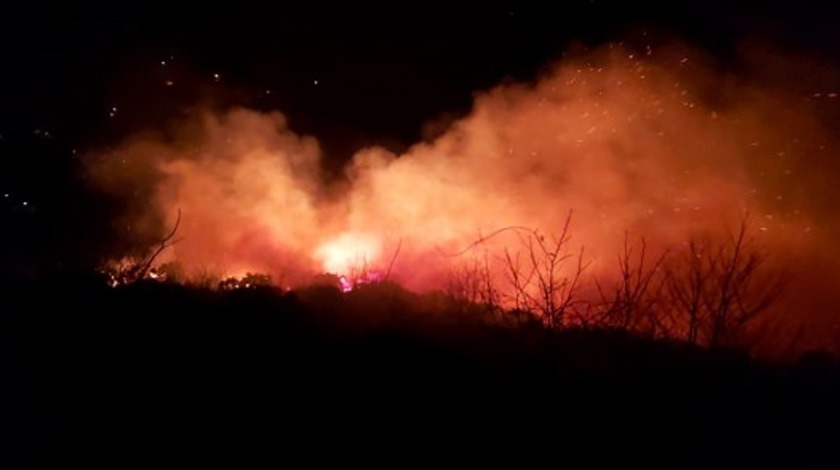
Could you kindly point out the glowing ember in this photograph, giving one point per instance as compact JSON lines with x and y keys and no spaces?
{"x":346,"y":286}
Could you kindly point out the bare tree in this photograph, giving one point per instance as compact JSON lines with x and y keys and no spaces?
{"x":137,"y":269}
{"x":720,"y":288}
{"x":743,"y":288}
{"x":163,"y":244}
{"x":545,"y":278}
{"x":472,"y":285}
{"x":634,"y":302}
{"x":688,"y":280}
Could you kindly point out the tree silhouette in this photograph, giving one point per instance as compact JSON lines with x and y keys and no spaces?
{"x":635,"y":300}
{"x":545,"y":278}
{"x":718,"y":288}
{"x":133,"y":269}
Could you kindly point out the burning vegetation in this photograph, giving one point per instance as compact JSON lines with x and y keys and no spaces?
{"x":658,"y":156}
{"x":709,"y":291}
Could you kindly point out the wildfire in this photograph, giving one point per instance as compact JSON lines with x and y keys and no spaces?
{"x":648,"y":145}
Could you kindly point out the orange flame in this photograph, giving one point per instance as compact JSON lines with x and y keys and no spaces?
{"x":347,"y":252}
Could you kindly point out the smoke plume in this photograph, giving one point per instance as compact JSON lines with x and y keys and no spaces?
{"x":660,"y":145}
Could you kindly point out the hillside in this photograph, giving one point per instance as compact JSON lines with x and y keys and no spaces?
{"x":156,"y":374}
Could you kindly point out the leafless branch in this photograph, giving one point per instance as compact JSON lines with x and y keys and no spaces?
{"x":720,"y":288}
{"x":393,"y":260}
{"x":538,"y":281}
{"x":165,"y":243}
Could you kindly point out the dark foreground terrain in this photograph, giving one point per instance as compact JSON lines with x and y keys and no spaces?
{"x":161,"y":376}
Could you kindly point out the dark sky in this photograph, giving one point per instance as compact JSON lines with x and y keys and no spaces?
{"x":381,"y":72}
{"x":80,"y":75}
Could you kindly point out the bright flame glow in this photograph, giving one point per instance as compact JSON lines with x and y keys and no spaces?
{"x":348,"y":252}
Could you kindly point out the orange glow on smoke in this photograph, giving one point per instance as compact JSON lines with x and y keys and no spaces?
{"x":662,"y":147}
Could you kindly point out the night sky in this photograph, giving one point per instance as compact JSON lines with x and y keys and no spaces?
{"x":82,"y":75}
{"x":347,"y":72}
